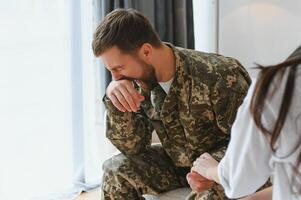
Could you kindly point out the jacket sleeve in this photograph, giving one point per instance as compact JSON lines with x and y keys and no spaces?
{"x":228,"y":92}
{"x":128,"y":131}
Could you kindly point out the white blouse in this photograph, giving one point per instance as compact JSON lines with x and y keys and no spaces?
{"x":249,"y":161}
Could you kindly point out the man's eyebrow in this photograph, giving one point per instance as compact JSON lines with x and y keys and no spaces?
{"x":114,"y":67}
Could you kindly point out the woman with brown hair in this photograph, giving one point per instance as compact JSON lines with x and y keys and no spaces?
{"x":265,"y":138}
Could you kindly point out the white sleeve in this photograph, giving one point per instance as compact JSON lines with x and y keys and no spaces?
{"x":245,"y":166}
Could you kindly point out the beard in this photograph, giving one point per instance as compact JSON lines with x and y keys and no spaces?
{"x":148,"y":76}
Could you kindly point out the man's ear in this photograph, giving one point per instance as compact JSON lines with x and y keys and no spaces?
{"x":146,"y":52}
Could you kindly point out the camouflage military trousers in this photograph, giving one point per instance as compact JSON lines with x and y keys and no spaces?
{"x":150,"y":172}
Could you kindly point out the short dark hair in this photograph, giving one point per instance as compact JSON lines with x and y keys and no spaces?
{"x":127,"y":29}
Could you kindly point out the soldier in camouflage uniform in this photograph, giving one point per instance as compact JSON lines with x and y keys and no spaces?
{"x":194,"y":116}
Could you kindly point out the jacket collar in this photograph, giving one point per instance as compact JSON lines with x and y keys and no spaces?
{"x":180,"y":85}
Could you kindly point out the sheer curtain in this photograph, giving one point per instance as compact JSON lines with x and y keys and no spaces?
{"x":96,"y":147}
{"x":52,"y":117}
{"x":90,"y":146}
{"x":35,"y":98}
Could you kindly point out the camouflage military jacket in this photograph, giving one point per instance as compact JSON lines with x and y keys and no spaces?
{"x":194,"y":117}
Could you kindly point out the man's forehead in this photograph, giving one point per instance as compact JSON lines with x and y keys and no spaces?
{"x":112,"y":57}
{"x":111,"y":53}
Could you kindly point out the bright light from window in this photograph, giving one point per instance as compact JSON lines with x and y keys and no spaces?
{"x":35,"y":98}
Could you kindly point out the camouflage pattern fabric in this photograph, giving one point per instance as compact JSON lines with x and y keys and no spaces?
{"x":194,"y":117}
{"x":150,"y":172}
{"x":215,"y":193}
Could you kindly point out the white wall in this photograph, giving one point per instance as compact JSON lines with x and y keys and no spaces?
{"x":205,"y":26}
{"x":261,"y":31}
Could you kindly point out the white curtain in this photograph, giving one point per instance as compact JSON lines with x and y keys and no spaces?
{"x":96,"y":147}
{"x":52,"y":141}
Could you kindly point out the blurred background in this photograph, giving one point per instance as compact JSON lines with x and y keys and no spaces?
{"x":52,"y":140}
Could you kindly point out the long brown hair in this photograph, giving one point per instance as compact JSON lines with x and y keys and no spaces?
{"x":261,"y":93}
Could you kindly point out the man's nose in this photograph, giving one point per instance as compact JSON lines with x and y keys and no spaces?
{"x":116,"y":76}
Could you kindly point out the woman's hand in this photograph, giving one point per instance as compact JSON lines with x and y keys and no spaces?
{"x":206,"y":166}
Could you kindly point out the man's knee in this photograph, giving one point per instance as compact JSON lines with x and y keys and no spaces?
{"x":118,"y":179}
{"x":115,"y":164}
{"x":111,"y":172}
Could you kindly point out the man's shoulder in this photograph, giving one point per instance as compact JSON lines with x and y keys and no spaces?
{"x":206,"y":68}
{"x":191,"y":54}
{"x":198,"y":60}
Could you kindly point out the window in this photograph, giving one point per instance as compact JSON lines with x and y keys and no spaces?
{"x":35,"y":98}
